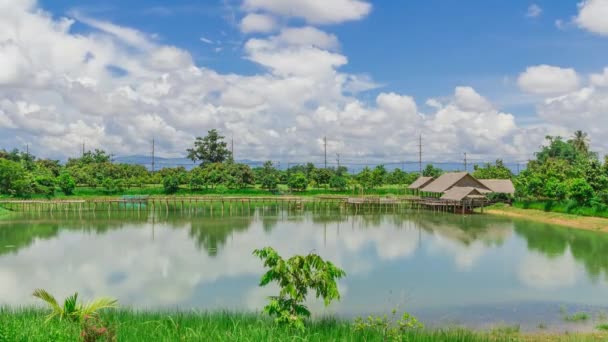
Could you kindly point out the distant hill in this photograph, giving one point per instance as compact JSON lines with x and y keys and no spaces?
{"x":161,"y":162}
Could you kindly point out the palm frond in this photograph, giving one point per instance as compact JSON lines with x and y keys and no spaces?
{"x":98,"y":304}
{"x":47,"y":298}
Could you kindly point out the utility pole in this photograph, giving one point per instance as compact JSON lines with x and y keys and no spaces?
{"x":27,"y":149}
{"x":465,"y":163}
{"x":232,"y":147}
{"x":420,"y":153}
{"x":338,"y":159}
{"x":325,"y":148}
{"x":83,"y":148}
{"x":153,"y":155}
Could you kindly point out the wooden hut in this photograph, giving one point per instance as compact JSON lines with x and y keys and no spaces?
{"x":451,"y":180}
{"x":499,"y":186}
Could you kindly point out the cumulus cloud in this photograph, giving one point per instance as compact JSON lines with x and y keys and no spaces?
{"x":254,"y":22}
{"x":600,"y":79}
{"x":313,"y":11}
{"x":116,"y":88}
{"x":592,"y":16}
{"x":547,"y":79}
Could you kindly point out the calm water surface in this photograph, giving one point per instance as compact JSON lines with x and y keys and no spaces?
{"x":476,"y":271}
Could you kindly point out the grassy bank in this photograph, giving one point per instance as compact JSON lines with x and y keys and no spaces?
{"x":567,"y":220}
{"x":29,"y":325}
{"x":564,"y":207}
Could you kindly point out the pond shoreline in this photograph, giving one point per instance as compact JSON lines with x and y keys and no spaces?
{"x":233,"y":326}
{"x":596,"y":224}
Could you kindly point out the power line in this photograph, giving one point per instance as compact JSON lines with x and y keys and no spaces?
{"x":420,"y":154}
{"x":466,"y":168}
{"x":153,"y":155}
{"x":325,"y":148}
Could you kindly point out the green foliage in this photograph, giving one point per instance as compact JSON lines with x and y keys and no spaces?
{"x":338,"y":183}
{"x":12,"y":176}
{"x":113,"y":186}
{"x":321,"y":176}
{"x":66,"y":183}
{"x":171,"y":184}
{"x":489,"y":171}
{"x":296,"y":277}
{"x":390,"y":329}
{"x":580,"y":191}
{"x":269,"y":176}
{"x":297,"y":182}
{"x":431,"y":171}
{"x":210,"y":149}
{"x":71,"y":309}
{"x":577,"y":317}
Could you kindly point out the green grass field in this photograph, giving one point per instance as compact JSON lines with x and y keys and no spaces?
{"x":29,"y":325}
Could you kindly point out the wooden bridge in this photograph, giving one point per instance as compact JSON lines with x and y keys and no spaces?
{"x":241,"y":204}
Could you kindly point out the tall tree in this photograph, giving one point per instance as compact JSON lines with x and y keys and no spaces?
{"x":210,"y":149}
{"x":580,"y":141}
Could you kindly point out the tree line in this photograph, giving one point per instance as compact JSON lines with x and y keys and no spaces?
{"x":563,"y":170}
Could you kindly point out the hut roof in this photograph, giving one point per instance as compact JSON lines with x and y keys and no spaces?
{"x":420,"y":182}
{"x":459,"y":193}
{"x":448,"y":180}
{"x":502,"y":186}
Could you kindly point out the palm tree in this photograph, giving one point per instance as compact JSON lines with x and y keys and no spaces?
{"x":72,"y":310}
{"x":580,"y":141}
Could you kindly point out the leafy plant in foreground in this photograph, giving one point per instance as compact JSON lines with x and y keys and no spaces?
{"x":296,"y":277}
{"x":71,"y":309}
{"x":391,"y":329}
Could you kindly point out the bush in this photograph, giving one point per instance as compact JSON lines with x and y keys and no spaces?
{"x":171,"y":184}
{"x":580,"y":191}
{"x":66,"y":183}
{"x":338,"y":183}
{"x":298,"y":182}
{"x":297,"y":276}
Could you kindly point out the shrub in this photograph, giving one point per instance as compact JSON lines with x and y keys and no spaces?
{"x":298,"y":182}
{"x":338,"y":183}
{"x":171,"y":184}
{"x":296,"y":277}
{"x":66,"y":183}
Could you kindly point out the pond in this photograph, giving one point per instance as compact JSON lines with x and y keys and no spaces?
{"x":476,"y":271}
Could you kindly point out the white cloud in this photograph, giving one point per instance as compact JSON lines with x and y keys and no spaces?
{"x":207,"y":40}
{"x":534,"y":11}
{"x":600,"y":80}
{"x":313,"y":11}
{"x":308,"y":36}
{"x":57,"y":91}
{"x":254,"y":22}
{"x":592,"y":16}
{"x":547,"y":79}
{"x":124,"y":34}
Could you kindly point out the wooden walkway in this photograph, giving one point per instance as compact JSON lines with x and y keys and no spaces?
{"x":230,"y":204}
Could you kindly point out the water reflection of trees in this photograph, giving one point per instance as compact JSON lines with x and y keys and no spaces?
{"x":211,"y":233}
{"x":589,"y":248}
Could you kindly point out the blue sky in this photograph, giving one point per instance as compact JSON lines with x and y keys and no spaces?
{"x":469,"y":57}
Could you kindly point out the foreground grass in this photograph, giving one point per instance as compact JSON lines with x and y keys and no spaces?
{"x":28,"y":324}
{"x":567,"y":220}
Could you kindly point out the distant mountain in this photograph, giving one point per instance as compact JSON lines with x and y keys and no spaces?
{"x":161,"y":162}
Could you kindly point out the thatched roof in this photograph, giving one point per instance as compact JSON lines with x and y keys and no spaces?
{"x":448,"y":180}
{"x":458,"y":193}
{"x":501,"y":186}
{"x":420,"y":182}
